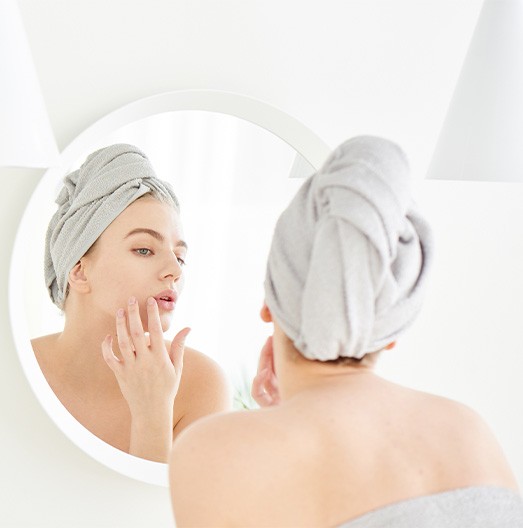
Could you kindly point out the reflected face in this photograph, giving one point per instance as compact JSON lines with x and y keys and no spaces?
{"x":140,"y":254}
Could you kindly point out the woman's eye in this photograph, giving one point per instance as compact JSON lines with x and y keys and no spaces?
{"x":181,"y":261}
{"x":143,"y":251}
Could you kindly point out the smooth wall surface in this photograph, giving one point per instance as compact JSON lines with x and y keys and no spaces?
{"x":341,"y":67}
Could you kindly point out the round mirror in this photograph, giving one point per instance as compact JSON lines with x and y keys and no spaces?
{"x":234,"y":163}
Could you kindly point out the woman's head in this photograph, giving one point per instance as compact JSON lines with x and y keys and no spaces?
{"x":349,"y":256}
{"x":113,"y":201}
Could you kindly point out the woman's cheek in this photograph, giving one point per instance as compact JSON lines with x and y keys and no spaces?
{"x":181,"y":284}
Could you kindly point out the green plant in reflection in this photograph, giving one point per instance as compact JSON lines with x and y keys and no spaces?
{"x":242,"y":392}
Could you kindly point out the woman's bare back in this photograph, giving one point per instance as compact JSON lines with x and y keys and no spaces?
{"x":334,"y":452}
{"x":375,"y":449}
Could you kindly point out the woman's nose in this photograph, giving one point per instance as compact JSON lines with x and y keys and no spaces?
{"x":172,"y":268}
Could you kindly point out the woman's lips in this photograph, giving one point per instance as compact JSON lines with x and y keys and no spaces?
{"x":166,"y":305}
{"x":166,"y":300}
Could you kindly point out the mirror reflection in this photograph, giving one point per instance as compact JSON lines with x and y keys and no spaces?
{"x":231,"y":179}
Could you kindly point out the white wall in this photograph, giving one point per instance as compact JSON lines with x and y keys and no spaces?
{"x":343,"y":68}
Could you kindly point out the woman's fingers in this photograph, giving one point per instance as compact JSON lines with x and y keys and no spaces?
{"x":257,"y":388}
{"x":265,"y":360}
{"x":107,"y":352}
{"x":122,"y":335}
{"x":154,"y":325}
{"x":177,"y":349}
{"x":136,"y":327}
{"x":271,"y":386}
{"x":264,"y":388}
{"x":262,"y":397}
{"x":148,"y":377}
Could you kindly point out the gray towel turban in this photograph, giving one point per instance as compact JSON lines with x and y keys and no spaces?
{"x":91,"y":198}
{"x":349,"y":256}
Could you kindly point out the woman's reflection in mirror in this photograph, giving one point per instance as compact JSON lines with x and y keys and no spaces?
{"x":114,"y":263}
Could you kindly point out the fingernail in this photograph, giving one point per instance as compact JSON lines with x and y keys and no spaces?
{"x":184,"y":337}
{"x":151,"y":301}
{"x":132,"y":300}
{"x":120,"y":312}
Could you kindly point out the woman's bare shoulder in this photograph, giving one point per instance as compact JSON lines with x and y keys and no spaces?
{"x":233,"y":427}
{"x":204,"y":389}
{"x":453,"y":413}
{"x":195,"y":359}
{"x":470,"y":441}
{"x":234,"y":435}
{"x":238,"y":456}
{"x":44,"y":341}
{"x":43,"y":346}
{"x":199,"y":368}
{"x":253,"y":438}
{"x":198,"y":365}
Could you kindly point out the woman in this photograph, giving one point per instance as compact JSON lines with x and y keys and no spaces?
{"x":335,"y":444}
{"x":114,"y":264}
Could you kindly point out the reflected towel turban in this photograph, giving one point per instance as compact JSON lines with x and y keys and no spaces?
{"x":91,"y":198}
{"x":349,"y":257}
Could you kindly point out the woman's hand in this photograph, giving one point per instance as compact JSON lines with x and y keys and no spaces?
{"x":148,"y":375}
{"x":265,"y":384}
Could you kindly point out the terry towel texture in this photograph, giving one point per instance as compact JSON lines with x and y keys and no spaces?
{"x":349,"y":257}
{"x":475,"y":507}
{"x":91,"y":198}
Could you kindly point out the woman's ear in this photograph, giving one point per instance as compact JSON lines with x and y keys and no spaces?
{"x":390,"y":346}
{"x":78,"y":279}
{"x":265,"y":314}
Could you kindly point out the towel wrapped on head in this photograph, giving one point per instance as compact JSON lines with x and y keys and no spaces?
{"x":349,"y":257}
{"x":92,"y":197}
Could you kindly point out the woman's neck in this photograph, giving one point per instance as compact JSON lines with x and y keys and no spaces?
{"x":305,"y":376}
{"x":79,"y":353}
{"x":296,"y":374}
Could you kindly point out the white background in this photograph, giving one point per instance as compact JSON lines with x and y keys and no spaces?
{"x":343,"y":68}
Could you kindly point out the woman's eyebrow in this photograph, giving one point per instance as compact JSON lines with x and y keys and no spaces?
{"x":154,"y":234}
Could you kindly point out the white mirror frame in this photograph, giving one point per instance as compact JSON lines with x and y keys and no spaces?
{"x":290,"y":130}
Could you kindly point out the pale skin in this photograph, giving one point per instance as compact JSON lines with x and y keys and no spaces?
{"x":330,"y":443}
{"x":130,"y":388}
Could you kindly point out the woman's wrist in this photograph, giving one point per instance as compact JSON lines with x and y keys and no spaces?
{"x":152,"y":435}
{"x":155,"y":413}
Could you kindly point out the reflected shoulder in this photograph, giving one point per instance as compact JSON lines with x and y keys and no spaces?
{"x":197,"y":363}
{"x":201,"y":368}
{"x":43,"y":345}
{"x":45,"y":340}
{"x":204,"y":389}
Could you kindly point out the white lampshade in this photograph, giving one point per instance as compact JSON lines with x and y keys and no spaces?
{"x":26,"y":137}
{"x":482,"y":135}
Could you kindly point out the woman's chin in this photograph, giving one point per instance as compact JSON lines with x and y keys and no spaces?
{"x":167,"y":321}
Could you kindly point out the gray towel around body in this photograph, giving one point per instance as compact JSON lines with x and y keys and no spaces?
{"x":349,"y":257}
{"x":92,"y":197}
{"x":473,"y":507}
